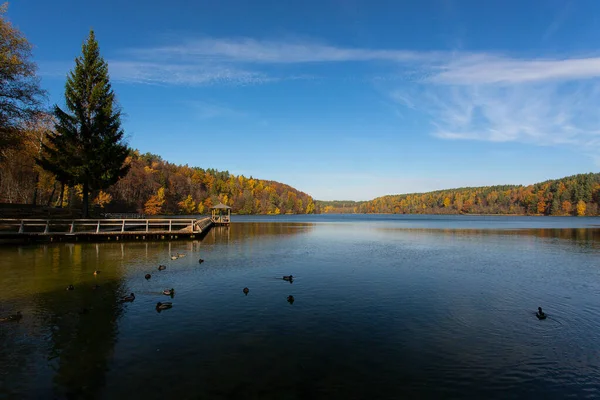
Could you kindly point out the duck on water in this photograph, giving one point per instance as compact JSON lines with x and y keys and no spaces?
{"x":540,"y":314}
{"x":163,"y":306}
{"x":128,"y":299}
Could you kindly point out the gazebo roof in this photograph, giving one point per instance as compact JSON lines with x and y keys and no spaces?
{"x":220,"y":206}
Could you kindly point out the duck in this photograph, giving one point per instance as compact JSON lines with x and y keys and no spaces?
{"x":96,"y":272}
{"x":246,"y":290}
{"x":174,"y":257}
{"x":290,"y":299}
{"x":12,"y":318}
{"x":288,"y":278}
{"x":162,"y":267}
{"x":70,"y":287}
{"x":96,"y":287}
{"x":179,"y":255}
{"x":147,"y":276}
{"x":169,"y":292}
{"x":200,"y":261}
{"x":163,"y":306}
{"x":540,"y":314}
{"x":128,"y":299}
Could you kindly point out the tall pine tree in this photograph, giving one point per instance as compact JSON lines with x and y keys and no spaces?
{"x":87,"y":148}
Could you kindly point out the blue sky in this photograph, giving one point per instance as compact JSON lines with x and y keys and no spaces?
{"x":344,"y":99}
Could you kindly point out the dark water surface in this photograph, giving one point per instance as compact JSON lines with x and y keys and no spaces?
{"x":385,"y":307}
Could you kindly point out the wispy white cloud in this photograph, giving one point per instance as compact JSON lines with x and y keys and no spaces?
{"x":488,"y":69}
{"x":244,"y":60}
{"x":183,"y":74}
{"x":555,"y":114}
{"x":250,"y":50}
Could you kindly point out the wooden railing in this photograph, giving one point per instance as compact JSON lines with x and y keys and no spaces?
{"x":102,"y":226}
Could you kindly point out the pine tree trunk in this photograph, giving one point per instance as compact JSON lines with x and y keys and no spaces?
{"x":35,"y":189}
{"x":51,"y":195}
{"x":85,"y":200}
{"x":61,"y":197}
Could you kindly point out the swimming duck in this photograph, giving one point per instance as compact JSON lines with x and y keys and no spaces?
{"x":162,"y":267}
{"x":163,"y":306}
{"x":174,"y":257}
{"x":288,"y":278}
{"x":96,"y":272}
{"x":246,"y":290}
{"x":128,"y":299}
{"x":70,"y":287}
{"x":169,"y":292}
{"x":290,"y":299}
{"x":200,"y":261}
{"x":147,"y":276}
{"x":12,"y":318}
{"x":180,"y":255}
{"x":540,"y":314}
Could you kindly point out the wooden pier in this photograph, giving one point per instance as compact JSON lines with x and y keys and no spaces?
{"x":72,"y":230}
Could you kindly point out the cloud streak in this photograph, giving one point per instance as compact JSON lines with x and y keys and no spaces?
{"x":245,"y":61}
{"x":184,"y":74}
{"x":249,"y":50}
{"x":483,"y":69}
{"x":556,"y":114}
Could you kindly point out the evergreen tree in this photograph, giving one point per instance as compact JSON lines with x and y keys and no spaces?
{"x":87,"y":148}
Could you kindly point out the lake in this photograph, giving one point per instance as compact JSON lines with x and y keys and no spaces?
{"x":385,"y":307}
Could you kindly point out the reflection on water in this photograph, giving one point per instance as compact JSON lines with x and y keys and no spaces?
{"x":378,"y":311}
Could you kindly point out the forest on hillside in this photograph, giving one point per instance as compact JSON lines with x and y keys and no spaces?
{"x":152,"y":186}
{"x":573,"y":195}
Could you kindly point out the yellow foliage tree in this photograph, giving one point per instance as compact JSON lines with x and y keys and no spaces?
{"x":102,"y":199}
{"x":155,"y":203}
{"x":581,"y":208}
{"x":187,"y":205}
{"x":310,"y":207}
{"x":447,"y":202}
{"x":200,"y":208}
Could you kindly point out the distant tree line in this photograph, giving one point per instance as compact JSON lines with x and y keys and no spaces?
{"x":338,"y":206}
{"x":573,"y":195}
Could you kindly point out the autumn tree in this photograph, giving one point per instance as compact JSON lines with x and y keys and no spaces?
{"x":102,"y":199}
{"x":88,"y":147}
{"x":188,"y":205}
{"x":154,"y":205}
{"x":581,"y":208}
{"x":566,"y":207}
{"x":20,"y":92}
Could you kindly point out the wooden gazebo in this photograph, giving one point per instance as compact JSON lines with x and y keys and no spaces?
{"x":221,"y":214}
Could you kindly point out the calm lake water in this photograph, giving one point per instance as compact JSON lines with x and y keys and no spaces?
{"x":385,"y":307}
